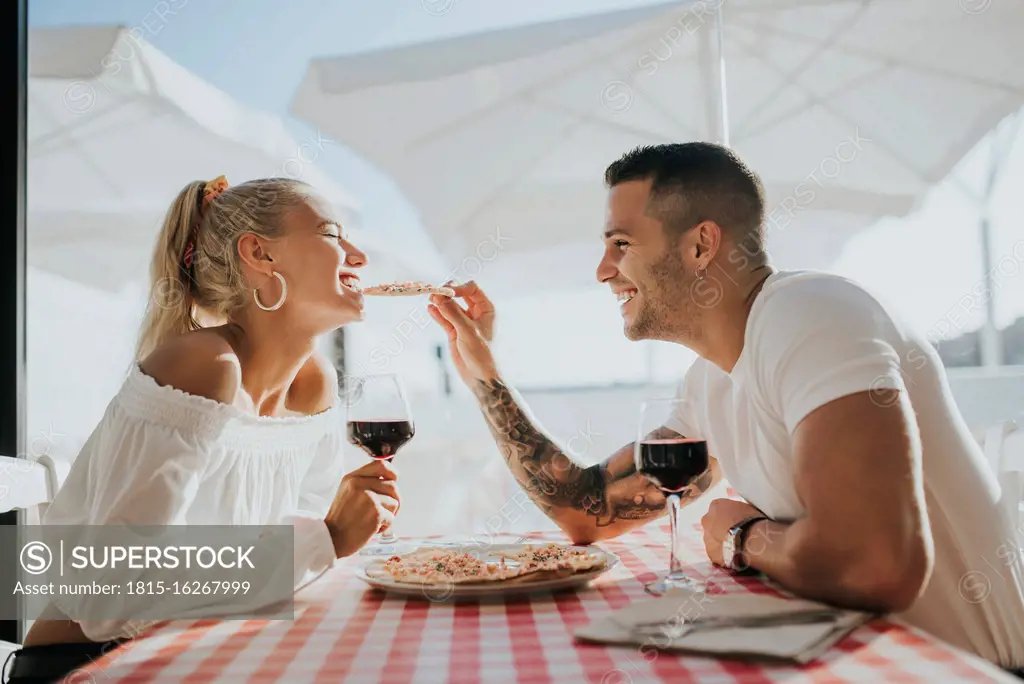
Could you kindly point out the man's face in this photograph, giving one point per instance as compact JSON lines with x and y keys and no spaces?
{"x":645,"y":269}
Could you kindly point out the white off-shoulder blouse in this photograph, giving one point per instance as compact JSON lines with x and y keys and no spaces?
{"x":160,"y":456}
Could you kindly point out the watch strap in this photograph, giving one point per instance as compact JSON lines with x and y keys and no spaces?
{"x":739,"y":533}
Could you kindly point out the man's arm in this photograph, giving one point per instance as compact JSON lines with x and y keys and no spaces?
{"x":589,"y":503}
{"x":827,"y":356}
{"x":865,"y":542}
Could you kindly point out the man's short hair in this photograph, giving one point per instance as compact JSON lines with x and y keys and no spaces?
{"x":697,"y":181}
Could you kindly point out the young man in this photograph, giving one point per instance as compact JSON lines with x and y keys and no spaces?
{"x":830,"y":417}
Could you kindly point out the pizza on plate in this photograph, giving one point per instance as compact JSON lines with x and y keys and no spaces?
{"x":440,"y":566}
{"x":407,"y":289}
{"x":530,"y":564}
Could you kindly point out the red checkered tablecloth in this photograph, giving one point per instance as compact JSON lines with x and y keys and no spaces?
{"x":343,"y":631}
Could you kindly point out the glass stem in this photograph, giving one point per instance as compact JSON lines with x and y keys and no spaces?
{"x":387,"y":536}
{"x":675,"y":568}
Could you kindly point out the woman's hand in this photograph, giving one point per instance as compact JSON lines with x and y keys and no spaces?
{"x":366,"y":501}
{"x":469,"y":331}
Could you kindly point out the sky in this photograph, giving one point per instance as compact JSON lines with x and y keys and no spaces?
{"x":925,"y":266}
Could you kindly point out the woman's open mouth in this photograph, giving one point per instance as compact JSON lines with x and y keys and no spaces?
{"x":350,"y":282}
{"x":351,"y":289}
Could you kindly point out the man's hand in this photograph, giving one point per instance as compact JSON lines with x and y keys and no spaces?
{"x":722,"y":515}
{"x":479,"y":308}
{"x":469,"y":331}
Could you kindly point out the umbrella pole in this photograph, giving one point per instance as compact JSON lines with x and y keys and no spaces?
{"x":338,"y":351}
{"x":721,"y":134}
{"x":989,"y":341}
{"x":722,"y":123}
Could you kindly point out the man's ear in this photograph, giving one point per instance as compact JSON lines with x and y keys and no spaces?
{"x":707,"y":239}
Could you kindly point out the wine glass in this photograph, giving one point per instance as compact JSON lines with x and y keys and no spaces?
{"x":672,"y":464}
{"x":379,"y":423}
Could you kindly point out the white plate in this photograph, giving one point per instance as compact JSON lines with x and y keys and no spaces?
{"x":451,"y":590}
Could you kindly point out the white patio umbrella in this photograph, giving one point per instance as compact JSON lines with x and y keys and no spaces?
{"x":116,"y":128}
{"x":849,"y":109}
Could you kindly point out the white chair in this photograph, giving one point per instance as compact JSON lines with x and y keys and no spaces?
{"x":1003,"y":444}
{"x":28,"y":485}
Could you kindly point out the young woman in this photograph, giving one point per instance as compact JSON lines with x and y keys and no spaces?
{"x":233,"y":421}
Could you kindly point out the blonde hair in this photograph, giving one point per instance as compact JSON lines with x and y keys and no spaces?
{"x":212,"y":286}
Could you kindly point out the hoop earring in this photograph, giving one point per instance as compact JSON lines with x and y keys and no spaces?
{"x":279,"y":302}
{"x":700,"y":274}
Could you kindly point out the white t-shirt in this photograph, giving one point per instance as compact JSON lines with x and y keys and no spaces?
{"x":812,"y":338}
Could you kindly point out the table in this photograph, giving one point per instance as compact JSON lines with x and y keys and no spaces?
{"x":345,"y":632}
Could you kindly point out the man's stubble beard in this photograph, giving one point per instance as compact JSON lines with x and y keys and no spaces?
{"x":669,"y":314}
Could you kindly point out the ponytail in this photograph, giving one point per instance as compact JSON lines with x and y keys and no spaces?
{"x":170,"y":309}
{"x":196,"y":270}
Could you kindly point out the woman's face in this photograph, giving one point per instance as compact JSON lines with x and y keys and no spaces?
{"x":320,"y":267}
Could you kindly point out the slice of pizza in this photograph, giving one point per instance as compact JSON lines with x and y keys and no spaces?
{"x":555,"y":558}
{"x":444,"y":566}
{"x":407,"y":289}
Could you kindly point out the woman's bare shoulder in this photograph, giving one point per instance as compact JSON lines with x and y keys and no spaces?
{"x":201,"y":362}
{"x":315,"y":386}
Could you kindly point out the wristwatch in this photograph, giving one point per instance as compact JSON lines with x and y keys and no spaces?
{"x":732,"y":547}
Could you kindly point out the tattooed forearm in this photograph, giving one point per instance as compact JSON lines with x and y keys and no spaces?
{"x":608,"y":492}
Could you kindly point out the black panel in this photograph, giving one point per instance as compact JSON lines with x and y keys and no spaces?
{"x":14,"y":49}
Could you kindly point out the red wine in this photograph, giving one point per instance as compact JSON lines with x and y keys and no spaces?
{"x":672,"y":464}
{"x":380,"y":438}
